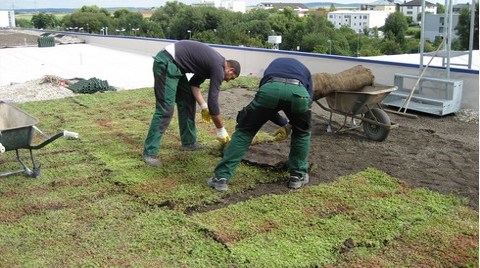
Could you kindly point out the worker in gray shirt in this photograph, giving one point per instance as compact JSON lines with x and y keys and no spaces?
{"x":172,"y":87}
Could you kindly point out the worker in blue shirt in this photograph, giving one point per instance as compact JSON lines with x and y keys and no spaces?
{"x":286,"y":86}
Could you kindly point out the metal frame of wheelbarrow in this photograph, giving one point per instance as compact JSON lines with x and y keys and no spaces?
{"x":363,"y":105}
{"x":16,"y":132}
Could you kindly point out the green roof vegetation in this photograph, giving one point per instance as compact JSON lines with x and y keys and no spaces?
{"x":97,"y":204}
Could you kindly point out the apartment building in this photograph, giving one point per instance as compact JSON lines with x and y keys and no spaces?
{"x":358,"y":20}
{"x":413,"y":9}
{"x":389,"y":6}
{"x":436,"y":25}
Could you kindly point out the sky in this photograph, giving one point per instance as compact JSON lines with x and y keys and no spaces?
{"x":20,"y":4}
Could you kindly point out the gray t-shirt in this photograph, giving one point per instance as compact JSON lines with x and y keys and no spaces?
{"x":205,"y":63}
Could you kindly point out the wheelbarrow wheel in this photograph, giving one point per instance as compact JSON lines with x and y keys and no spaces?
{"x":377,"y":132}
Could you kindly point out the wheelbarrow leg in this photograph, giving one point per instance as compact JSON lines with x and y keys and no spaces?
{"x":329,"y":127}
{"x":35,"y":173}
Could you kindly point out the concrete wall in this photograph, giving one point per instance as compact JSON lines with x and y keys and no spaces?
{"x":254,"y":61}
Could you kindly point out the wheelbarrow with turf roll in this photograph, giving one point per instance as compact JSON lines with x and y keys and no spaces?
{"x":17,"y":129}
{"x":364,"y":105}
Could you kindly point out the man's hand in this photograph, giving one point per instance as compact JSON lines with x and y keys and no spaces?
{"x":222,"y":135}
{"x":206,"y":118}
{"x":282,"y":133}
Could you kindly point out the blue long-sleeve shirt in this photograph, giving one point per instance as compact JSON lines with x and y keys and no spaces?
{"x":289,"y":68}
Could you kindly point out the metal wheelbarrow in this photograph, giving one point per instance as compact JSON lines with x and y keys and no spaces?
{"x":363,"y":105}
{"x":16,"y":132}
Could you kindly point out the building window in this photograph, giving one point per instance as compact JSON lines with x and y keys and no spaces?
{"x":409,"y":12}
{"x":330,"y":16}
{"x":409,"y":7}
{"x":440,"y":29}
{"x":365,"y":17}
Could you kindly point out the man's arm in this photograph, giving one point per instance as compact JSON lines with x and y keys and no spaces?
{"x":217,"y":120}
{"x":198,"y":96}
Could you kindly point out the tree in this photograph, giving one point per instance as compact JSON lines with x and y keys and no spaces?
{"x":315,"y":42}
{"x":92,"y":19}
{"x":332,"y":7}
{"x":165,"y":15}
{"x":440,"y":9}
{"x":23,"y":23}
{"x":463,"y":28}
{"x":395,"y":27}
{"x":44,"y":21}
{"x":390,"y":47}
{"x":128,"y":20}
{"x":153,"y":29}
{"x":294,"y":34}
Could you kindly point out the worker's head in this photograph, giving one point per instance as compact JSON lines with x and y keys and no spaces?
{"x":232,"y":70}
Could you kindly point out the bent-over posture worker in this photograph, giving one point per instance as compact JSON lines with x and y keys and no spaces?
{"x":172,"y":87}
{"x":286,"y":86}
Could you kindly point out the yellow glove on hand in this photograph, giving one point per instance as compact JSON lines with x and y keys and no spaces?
{"x":222,"y":135}
{"x":206,"y":118}
{"x":282,"y":133}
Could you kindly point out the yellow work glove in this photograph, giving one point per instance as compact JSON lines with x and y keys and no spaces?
{"x":206,"y":118}
{"x":222,"y":135}
{"x":282,"y":133}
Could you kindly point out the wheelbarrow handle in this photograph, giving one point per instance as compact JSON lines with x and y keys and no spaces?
{"x":66,"y":133}
{"x":70,"y":134}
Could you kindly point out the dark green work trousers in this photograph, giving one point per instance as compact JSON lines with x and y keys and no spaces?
{"x":271,"y":98}
{"x":171,"y":87}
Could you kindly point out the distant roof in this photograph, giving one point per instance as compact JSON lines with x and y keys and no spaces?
{"x":283,"y":5}
{"x":358,"y":12}
{"x":460,"y":6}
{"x":385,"y":3}
{"x":417,"y":3}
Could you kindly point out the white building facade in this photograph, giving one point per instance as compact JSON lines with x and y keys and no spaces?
{"x":358,"y":20}
{"x":7,"y":19}
{"x":436,"y":25}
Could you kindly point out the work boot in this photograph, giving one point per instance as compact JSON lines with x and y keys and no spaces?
{"x":296,"y":182}
{"x":152,"y":161}
{"x":219,"y":184}
{"x":191,"y":147}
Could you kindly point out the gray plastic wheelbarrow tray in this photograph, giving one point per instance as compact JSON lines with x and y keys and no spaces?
{"x":16,"y":132}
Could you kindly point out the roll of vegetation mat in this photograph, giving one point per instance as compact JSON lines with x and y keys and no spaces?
{"x":91,"y":86}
